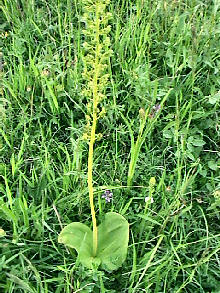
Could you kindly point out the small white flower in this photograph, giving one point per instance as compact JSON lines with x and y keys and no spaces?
{"x":148,"y":198}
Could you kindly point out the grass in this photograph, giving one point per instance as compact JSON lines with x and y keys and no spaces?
{"x":165,"y":52}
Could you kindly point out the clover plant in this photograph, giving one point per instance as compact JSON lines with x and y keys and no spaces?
{"x":105,"y":245}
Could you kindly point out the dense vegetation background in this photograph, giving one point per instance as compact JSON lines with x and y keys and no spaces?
{"x":160,"y":47}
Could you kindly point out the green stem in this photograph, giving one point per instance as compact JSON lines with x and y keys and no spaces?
{"x":90,"y":185}
{"x":135,"y":152}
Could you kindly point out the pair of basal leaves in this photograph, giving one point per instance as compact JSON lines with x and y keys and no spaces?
{"x":113,"y":236}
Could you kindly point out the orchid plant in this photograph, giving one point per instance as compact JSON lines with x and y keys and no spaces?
{"x":105,"y":245}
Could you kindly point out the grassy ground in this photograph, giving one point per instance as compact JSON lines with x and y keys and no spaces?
{"x":165,"y":52}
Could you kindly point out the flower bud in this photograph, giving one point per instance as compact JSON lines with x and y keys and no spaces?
{"x":152,"y":181}
{"x":142,"y":113}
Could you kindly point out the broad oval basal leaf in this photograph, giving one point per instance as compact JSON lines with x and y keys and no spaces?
{"x":113,"y":236}
{"x":78,"y":236}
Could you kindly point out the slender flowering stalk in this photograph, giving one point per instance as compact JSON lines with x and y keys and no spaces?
{"x":95,"y":61}
{"x":144,"y":130}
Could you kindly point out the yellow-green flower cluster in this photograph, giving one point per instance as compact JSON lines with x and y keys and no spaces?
{"x":96,"y":53}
